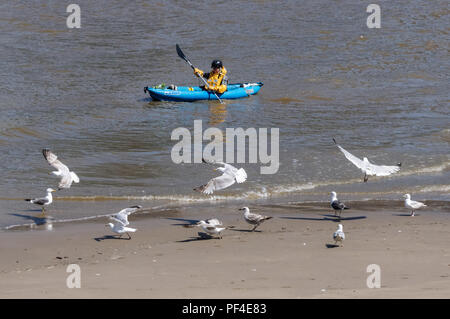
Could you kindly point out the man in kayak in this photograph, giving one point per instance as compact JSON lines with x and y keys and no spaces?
{"x":217,"y":79}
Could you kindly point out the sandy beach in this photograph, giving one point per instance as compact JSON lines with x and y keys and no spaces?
{"x":289,"y":256}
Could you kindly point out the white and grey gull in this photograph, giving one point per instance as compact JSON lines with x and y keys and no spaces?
{"x":67,"y":177}
{"x":254,"y":219}
{"x":337,"y":205}
{"x":369,"y":169}
{"x":43,"y":201}
{"x":230,"y":176}
{"x":412,"y":204}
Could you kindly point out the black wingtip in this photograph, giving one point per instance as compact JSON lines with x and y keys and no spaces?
{"x":399,"y":164}
{"x":334,"y":141}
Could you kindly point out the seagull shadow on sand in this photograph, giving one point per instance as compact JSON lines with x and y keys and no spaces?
{"x":332,"y":218}
{"x":331,"y":245}
{"x":405,"y":215}
{"x":201,"y":236}
{"x":110,"y":237}
{"x":36,"y":220}
{"x":187,"y":222}
{"x":246,"y":230}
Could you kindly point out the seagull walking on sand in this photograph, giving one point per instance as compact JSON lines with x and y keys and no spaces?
{"x":120,"y":228}
{"x":211,"y":226}
{"x":368,"y":168}
{"x":67,"y":177}
{"x":412,"y":204}
{"x":43,"y":201}
{"x":123,"y":214}
{"x":337,"y":205}
{"x":339,"y":235}
{"x":230,"y":176}
{"x":254,"y":219}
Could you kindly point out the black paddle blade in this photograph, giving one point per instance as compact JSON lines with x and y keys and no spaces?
{"x":181,"y":55}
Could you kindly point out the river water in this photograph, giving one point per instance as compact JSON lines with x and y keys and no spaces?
{"x":382,"y":93}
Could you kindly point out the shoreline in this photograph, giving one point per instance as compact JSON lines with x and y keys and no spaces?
{"x":289,"y":256}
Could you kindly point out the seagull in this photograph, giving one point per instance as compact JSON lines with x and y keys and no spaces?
{"x":123,"y":214}
{"x":339,"y":235}
{"x":368,"y":168}
{"x":230,"y":175}
{"x":412,"y":203}
{"x":120,"y":228}
{"x":67,"y":177}
{"x":253,"y":219}
{"x":337,"y":204}
{"x":212,"y":226}
{"x":44,"y":201}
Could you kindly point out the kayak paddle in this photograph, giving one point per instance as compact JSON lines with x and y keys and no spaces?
{"x":181,"y":55}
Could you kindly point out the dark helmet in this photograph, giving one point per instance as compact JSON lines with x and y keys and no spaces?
{"x":216,"y":64}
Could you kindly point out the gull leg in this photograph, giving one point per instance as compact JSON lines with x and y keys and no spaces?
{"x":412,"y":212}
{"x":129,"y":237}
{"x":254,"y":228}
{"x":366,"y":178}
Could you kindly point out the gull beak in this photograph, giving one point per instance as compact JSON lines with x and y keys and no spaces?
{"x":241,"y":208}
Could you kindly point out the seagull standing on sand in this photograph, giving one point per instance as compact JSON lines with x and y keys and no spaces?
{"x":412,"y":204}
{"x":212,"y":226}
{"x":337,"y":204}
{"x":44,"y":201}
{"x":368,"y":168}
{"x":120,"y":228}
{"x":67,"y":177}
{"x":254,"y":219}
{"x":230,"y":175}
{"x":339,"y":235}
{"x":123,"y":214}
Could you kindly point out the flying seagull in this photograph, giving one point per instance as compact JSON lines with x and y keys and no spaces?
{"x":230,"y":175}
{"x":120,"y":228}
{"x":412,"y":204}
{"x":44,"y":201}
{"x":339,"y":235}
{"x":123,"y":214}
{"x":254,"y":219}
{"x":67,"y":177}
{"x":368,"y":168}
{"x":337,"y":204}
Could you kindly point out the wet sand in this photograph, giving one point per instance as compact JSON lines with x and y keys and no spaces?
{"x":289,"y":256}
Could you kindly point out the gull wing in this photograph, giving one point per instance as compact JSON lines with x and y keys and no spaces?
{"x":52,"y":159}
{"x":216,"y":183}
{"x":213,"y":222}
{"x":240,"y":175}
{"x":123,"y":214}
{"x":382,"y":170}
{"x":118,"y":222}
{"x":352,"y":158}
{"x":254,"y":218}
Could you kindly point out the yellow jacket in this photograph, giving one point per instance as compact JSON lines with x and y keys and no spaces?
{"x":216,"y":81}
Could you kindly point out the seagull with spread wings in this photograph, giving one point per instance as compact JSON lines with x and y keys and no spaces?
{"x":230,"y":176}
{"x":120,"y":228}
{"x":368,"y":168}
{"x":123,"y":214}
{"x":67,"y":177}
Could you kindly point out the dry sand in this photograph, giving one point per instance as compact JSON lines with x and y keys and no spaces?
{"x":287,"y":257}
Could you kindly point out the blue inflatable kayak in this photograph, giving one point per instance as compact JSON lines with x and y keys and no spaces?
{"x":195,"y":93}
